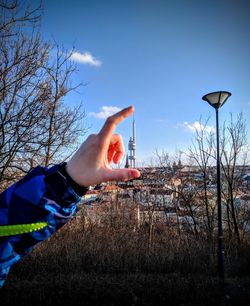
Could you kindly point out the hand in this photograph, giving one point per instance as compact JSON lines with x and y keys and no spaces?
{"x":90,"y":164}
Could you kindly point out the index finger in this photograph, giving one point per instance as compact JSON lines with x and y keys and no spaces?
{"x":112,"y":121}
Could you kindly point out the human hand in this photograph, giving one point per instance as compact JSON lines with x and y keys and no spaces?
{"x":90,"y":164}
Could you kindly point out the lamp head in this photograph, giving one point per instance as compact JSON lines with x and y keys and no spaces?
{"x":217,"y":98}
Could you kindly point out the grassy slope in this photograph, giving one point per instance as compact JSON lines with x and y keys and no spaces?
{"x":104,"y":266}
{"x":122,"y":289}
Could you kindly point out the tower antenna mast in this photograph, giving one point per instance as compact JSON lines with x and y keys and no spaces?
{"x":132,"y":147}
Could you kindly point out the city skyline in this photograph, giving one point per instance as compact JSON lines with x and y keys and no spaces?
{"x":161,"y":57}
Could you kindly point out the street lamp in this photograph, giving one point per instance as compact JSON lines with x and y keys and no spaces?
{"x":216,"y":100}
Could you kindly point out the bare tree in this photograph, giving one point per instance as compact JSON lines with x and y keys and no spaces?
{"x":201,"y":152}
{"x":233,"y":160}
{"x":162,"y":158}
{"x":233,"y":143}
{"x":36,"y":126}
{"x":63,"y":125}
{"x":21,"y":74}
{"x":15,"y":15}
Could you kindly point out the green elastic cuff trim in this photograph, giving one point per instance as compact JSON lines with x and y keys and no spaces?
{"x":10,"y":230}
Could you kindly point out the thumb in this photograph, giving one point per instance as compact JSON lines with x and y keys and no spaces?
{"x":121,"y":174}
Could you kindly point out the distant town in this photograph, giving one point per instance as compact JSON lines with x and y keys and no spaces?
{"x":176,"y":195}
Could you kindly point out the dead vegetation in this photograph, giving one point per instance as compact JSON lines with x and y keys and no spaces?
{"x":113,"y":264}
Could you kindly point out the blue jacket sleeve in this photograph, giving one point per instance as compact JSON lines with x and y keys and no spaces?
{"x":43,"y":195}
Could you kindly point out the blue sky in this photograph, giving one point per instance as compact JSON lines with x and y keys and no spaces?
{"x":160,"y":56}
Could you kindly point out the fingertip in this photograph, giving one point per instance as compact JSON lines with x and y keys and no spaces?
{"x":115,"y":161}
{"x":134,"y":173}
{"x":129,"y":110}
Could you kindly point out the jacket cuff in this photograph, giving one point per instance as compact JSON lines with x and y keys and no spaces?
{"x":60,"y":188}
{"x":80,"y":190}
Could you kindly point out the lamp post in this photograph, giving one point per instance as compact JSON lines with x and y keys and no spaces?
{"x":216,"y":100}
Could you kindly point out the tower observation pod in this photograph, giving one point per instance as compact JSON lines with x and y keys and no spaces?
{"x":132,"y":148}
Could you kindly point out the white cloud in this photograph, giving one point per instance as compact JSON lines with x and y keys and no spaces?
{"x":197,"y":126}
{"x":85,"y":58}
{"x":105,"y":112}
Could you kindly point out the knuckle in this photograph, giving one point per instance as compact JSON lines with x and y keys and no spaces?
{"x":92,"y":136}
{"x":93,"y":140}
{"x":119,"y":136}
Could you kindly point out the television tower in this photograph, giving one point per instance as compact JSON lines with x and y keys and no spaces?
{"x":132,"y":148}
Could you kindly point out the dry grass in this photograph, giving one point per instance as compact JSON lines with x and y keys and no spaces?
{"x":115,"y":265}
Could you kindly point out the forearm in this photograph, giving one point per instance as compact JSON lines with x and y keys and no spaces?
{"x":44,"y":195}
